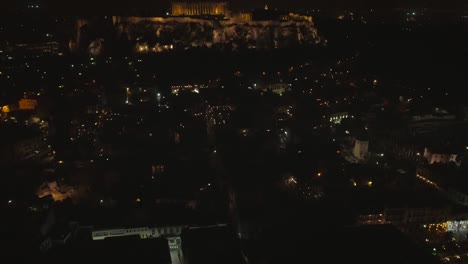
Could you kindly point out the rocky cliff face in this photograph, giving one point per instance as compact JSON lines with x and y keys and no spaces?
{"x":188,"y":32}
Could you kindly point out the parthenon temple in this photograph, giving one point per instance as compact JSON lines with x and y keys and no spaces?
{"x":199,"y":8}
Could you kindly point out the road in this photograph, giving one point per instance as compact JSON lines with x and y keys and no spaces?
{"x":429,"y":182}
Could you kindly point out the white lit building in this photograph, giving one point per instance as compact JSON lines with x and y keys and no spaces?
{"x":444,"y":157}
{"x":143,"y":232}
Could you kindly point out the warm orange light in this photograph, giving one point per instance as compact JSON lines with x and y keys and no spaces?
{"x":319,"y":174}
{"x":6,"y":109}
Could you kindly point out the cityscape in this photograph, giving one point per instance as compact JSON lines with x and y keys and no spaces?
{"x":234,"y":132}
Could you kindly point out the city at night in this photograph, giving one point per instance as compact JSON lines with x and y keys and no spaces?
{"x":234,"y":131}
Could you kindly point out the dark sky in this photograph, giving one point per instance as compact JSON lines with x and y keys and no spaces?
{"x":99,"y":6}
{"x":296,"y":3}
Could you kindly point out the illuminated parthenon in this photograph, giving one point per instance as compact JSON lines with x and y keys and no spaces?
{"x":199,"y":8}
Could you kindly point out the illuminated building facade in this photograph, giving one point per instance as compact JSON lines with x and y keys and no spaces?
{"x":360,"y":150}
{"x":199,"y":8}
{"x":242,"y":16}
{"x":27,"y":104}
{"x":444,"y":157}
{"x":144,"y":233}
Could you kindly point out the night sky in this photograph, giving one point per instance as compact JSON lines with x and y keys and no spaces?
{"x":101,"y":6}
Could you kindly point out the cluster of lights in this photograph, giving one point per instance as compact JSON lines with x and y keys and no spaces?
{"x":437,"y":227}
{"x":428,"y":181}
{"x":145,"y":48}
{"x":337,"y":119}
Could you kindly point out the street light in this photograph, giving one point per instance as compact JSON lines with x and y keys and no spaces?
{"x":291,"y":180}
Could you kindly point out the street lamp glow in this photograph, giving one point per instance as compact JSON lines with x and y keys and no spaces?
{"x":291,"y":180}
